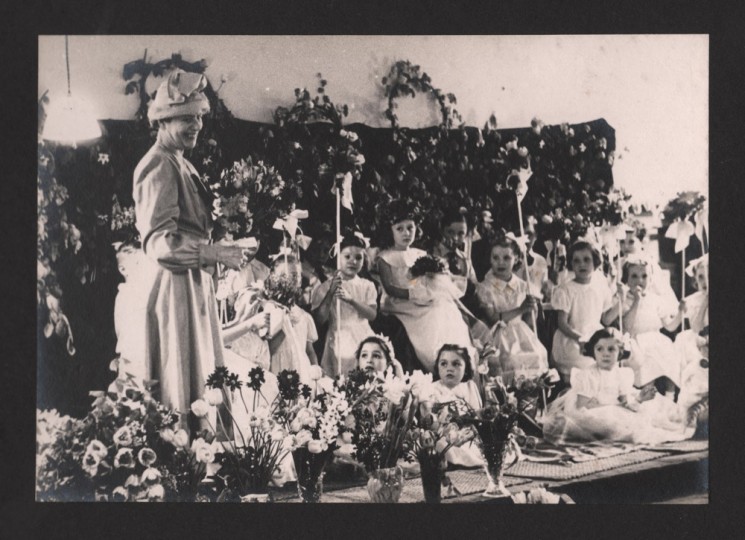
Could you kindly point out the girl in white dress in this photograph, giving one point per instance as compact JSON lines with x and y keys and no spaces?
{"x":695,"y":308}
{"x":130,"y":313}
{"x":292,"y":331}
{"x":644,"y":313}
{"x":358,"y":306}
{"x":453,"y":381}
{"x":602,"y":403}
{"x":584,"y":305}
{"x":505,"y":302}
{"x":427,"y":306}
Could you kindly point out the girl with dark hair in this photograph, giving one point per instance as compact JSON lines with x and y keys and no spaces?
{"x":603,"y":404}
{"x":358,"y":303}
{"x":454,"y":248}
{"x":418,"y":291}
{"x":505,"y":302}
{"x":375,"y":355}
{"x":453,"y":382}
{"x":584,"y":305}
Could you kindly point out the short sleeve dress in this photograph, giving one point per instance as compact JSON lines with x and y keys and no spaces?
{"x":520,"y":351}
{"x":584,"y":303}
{"x":354,"y":328}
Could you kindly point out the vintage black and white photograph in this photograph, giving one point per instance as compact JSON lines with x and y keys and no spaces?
{"x":373,"y":269}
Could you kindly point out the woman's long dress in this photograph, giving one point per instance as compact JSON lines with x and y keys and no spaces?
{"x":182,"y":332}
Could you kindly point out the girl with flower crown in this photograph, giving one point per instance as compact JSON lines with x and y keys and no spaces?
{"x":417,"y":290}
{"x":505,"y":302}
{"x":358,"y":303}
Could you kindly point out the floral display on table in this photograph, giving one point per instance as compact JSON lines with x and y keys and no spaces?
{"x":497,"y":423}
{"x":381,"y":418}
{"x":314,"y":420}
{"x":127,"y":448}
{"x":248,"y":454}
{"x":428,"y":441}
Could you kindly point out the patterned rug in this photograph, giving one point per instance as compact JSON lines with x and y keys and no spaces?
{"x":568,"y":470}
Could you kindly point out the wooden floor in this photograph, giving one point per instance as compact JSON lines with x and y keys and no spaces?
{"x":681,"y":478}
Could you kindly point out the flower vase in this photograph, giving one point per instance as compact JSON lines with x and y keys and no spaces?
{"x":432,"y":467}
{"x":386,"y":485}
{"x":309,"y":468}
{"x":494,"y":454}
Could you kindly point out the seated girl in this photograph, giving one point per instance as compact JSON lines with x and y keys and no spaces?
{"x":645,"y":312}
{"x":427,"y":304}
{"x":695,"y":309}
{"x":603,"y":405}
{"x":505,"y":302}
{"x":453,"y":381}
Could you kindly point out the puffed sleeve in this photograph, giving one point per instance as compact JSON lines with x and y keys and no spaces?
{"x":155,"y":193}
{"x":584,"y":383}
{"x":607,"y":296}
{"x":370,"y":293}
{"x":484,"y":295}
{"x":560,"y":299}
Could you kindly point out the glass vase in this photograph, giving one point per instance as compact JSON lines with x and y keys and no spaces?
{"x":432,"y":467}
{"x":385,"y":485}
{"x":495,"y":453}
{"x":309,"y":468}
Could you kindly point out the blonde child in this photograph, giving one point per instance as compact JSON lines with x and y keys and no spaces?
{"x":130,"y":313}
{"x":358,"y":304}
{"x":603,"y":405}
{"x":584,"y":305}
{"x":644,"y":312}
{"x":428,"y":309}
{"x":505,"y":301}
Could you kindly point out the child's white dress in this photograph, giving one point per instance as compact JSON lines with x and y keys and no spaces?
{"x":520,"y":351}
{"x":468,"y":454}
{"x":611,"y":421}
{"x":130,"y":314}
{"x":433,"y":318}
{"x":299,"y":329}
{"x":656,"y":353}
{"x":585,"y":305}
{"x":354,"y":328}
{"x":697,"y":315}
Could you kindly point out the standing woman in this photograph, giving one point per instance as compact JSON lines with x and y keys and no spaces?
{"x":173,"y":210}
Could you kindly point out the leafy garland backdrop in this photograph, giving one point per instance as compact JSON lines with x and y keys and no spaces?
{"x":442,"y":168}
